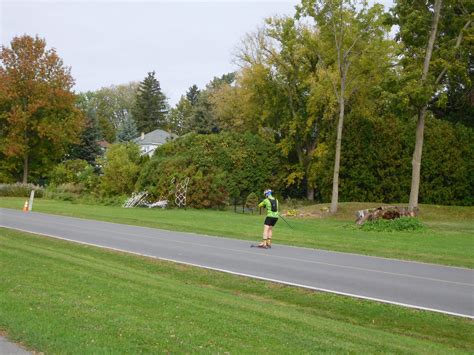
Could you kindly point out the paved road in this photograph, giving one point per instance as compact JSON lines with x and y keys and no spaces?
{"x":8,"y":348}
{"x":426,"y":286}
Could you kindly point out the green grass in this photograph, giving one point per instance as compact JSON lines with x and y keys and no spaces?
{"x":63,"y":298}
{"x":448,"y":240}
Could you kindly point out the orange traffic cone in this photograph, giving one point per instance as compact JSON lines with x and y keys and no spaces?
{"x":25,"y":206}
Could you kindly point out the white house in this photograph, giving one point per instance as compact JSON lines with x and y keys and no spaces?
{"x":152,"y":140}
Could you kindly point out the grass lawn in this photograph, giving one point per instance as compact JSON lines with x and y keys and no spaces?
{"x":60,"y":297}
{"x":449,"y":239}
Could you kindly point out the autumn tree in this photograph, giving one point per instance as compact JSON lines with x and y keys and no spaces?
{"x":279,"y":79}
{"x":350,"y":44}
{"x":233,"y":109}
{"x":431,"y":34}
{"x":114,"y":105}
{"x":38,"y":115}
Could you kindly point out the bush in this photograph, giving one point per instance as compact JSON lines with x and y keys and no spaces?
{"x":64,"y":192}
{"x":252,"y":200}
{"x":409,"y":224}
{"x":20,"y":190}
{"x":76,"y":193}
{"x":376,"y":162}
{"x":121,"y":167}
{"x":76,"y":171}
{"x":221,"y":167}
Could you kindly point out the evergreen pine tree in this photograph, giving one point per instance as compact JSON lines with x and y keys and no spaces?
{"x":151,"y":105}
{"x":193,"y":94}
{"x":202,"y":120}
{"x":88,"y":149}
{"x":127,"y":130}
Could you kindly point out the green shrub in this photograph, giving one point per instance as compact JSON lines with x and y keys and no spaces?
{"x":77,"y":172}
{"x":20,"y":190}
{"x":121,"y":167}
{"x":221,"y":167}
{"x":67,"y":172}
{"x":64,"y":192}
{"x":376,"y":162}
{"x":252,"y":200}
{"x":394,"y":225}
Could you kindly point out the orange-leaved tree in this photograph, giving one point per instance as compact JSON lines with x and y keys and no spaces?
{"x":38,"y":116}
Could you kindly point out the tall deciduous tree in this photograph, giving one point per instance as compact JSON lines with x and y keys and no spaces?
{"x":114,"y":105}
{"x":151,"y":105}
{"x":347,"y":35}
{"x":38,"y":114}
{"x":178,"y":116}
{"x":431,"y":33}
{"x":279,"y":70}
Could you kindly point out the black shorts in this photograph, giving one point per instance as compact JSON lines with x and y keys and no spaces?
{"x":270,"y":221}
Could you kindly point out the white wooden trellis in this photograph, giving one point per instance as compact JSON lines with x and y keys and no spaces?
{"x":136,"y":199}
{"x":180,"y":190}
{"x":180,"y":193}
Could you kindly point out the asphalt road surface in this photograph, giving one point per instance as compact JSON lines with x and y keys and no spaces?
{"x":9,"y":348}
{"x":418,"y":285}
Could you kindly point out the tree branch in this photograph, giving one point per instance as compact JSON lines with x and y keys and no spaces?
{"x":458,"y":43}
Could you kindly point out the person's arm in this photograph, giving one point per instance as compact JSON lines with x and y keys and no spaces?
{"x":262,"y":204}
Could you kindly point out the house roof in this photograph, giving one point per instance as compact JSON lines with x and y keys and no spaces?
{"x":158,"y":136}
{"x":103,"y":143}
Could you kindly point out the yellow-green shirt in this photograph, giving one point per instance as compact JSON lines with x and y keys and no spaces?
{"x":267,"y":204}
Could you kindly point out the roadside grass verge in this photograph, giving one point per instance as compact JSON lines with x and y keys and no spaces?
{"x":448,"y":239}
{"x":60,"y":297}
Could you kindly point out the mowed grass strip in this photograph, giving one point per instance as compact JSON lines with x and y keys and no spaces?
{"x":449,"y":239}
{"x":60,"y":297}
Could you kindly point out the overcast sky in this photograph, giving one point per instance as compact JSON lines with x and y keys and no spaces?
{"x":114,"y":42}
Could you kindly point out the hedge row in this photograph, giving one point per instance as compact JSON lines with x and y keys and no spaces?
{"x":376,"y":163}
{"x":221,"y":167}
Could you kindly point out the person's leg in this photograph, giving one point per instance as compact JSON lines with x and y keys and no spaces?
{"x":269,"y":236}
{"x":265,"y":234}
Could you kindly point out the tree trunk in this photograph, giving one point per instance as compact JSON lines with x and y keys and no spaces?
{"x":420,"y":127}
{"x":305,"y":161}
{"x":335,"y":179}
{"x":310,"y":192}
{"x":25,"y":168}
{"x":416,"y":161}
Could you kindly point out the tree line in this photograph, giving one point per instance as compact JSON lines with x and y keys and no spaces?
{"x":354,"y":112}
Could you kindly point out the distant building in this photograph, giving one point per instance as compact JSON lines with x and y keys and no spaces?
{"x":104,"y":145}
{"x":152,"y":140}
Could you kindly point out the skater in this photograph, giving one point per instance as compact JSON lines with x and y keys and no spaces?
{"x":271,"y":205}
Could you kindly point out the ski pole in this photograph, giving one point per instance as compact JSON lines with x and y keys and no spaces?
{"x":286,"y":222}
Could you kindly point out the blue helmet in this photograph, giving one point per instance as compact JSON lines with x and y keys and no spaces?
{"x":267,"y":192}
